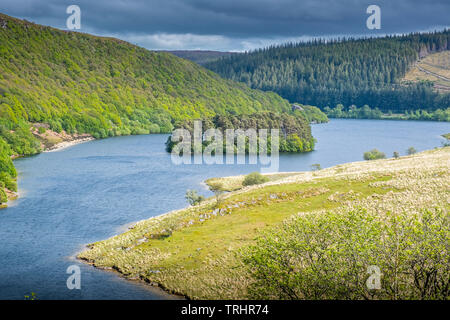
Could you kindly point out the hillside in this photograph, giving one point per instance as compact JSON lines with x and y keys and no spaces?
{"x":346,"y":71}
{"x":304,"y":235}
{"x":201,"y":57}
{"x":83,"y":84}
{"x":434,"y":68}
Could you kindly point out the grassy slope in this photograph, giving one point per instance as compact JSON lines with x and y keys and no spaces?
{"x":199,"y":258}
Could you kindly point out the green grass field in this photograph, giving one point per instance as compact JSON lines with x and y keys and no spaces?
{"x":195,"y":251}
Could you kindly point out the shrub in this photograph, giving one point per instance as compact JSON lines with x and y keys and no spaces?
{"x":327,"y":256}
{"x":411,"y":150}
{"x":396,"y":155}
{"x":374,"y":155}
{"x":193,"y":198}
{"x":218,"y":190}
{"x":254,"y":178}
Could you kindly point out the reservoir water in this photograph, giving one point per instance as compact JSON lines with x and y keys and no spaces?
{"x":91,"y":191}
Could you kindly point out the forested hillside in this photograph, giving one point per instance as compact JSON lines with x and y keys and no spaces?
{"x":352,"y":71}
{"x":105,"y":87}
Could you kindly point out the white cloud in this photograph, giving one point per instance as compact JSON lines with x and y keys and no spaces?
{"x":189,"y":41}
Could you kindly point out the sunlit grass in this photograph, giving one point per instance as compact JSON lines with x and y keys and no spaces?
{"x":198,"y":258}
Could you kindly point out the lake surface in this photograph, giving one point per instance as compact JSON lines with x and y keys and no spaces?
{"x":89,"y":192}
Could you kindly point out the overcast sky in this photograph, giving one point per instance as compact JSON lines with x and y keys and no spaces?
{"x":232,"y":25}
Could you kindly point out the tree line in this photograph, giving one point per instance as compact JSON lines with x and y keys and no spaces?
{"x":366,"y":112}
{"x":295,"y":131}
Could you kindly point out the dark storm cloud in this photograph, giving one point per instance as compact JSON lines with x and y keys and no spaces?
{"x":232,"y":24}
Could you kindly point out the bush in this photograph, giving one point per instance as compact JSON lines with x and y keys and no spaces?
{"x":218,"y":189}
{"x":193,"y":198}
{"x":327,"y":256}
{"x":374,"y":155}
{"x":396,"y":155}
{"x":411,"y":150}
{"x":254,"y":178}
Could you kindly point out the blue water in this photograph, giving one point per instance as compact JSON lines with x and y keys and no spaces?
{"x":90,"y":191}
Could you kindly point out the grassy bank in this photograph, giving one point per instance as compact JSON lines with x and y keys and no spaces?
{"x":200,"y":252}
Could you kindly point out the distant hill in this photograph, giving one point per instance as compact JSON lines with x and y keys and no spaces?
{"x":79,"y":83}
{"x":350,"y":71}
{"x":201,"y":57}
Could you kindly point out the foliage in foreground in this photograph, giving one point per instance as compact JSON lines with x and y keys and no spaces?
{"x":327,"y":256}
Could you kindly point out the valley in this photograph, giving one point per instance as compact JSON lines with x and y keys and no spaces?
{"x":86,"y":154}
